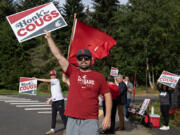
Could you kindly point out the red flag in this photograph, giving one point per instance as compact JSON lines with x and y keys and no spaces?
{"x":87,"y":37}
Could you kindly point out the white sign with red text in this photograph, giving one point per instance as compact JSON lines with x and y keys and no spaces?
{"x":27,"y":86}
{"x":114,"y":71}
{"x":168,"y":79}
{"x":144,"y":106}
{"x":32,"y":22}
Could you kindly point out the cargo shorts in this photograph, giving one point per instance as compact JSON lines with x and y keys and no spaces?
{"x":82,"y":126}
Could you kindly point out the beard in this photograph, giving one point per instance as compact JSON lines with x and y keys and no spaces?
{"x":84,"y":67}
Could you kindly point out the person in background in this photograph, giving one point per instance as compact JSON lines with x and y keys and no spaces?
{"x":114,"y":89}
{"x":165,"y":104}
{"x":121,"y":100}
{"x":65,"y":79}
{"x":57,"y":100}
{"x":85,"y":87}
{"x":129,"y":92}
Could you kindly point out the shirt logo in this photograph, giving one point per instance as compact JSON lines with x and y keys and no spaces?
{"x":163,"y":94}
{"x":85,"y":82}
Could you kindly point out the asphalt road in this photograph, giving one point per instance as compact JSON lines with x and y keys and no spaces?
{"x":17,"y":121}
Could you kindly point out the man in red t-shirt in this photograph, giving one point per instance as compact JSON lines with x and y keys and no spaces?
{"x":85,"y":87}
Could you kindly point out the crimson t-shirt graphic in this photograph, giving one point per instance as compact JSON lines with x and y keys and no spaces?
{"x":85,"y":82}
{"x":85,"y":87}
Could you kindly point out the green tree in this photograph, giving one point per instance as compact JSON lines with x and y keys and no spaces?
{"x":104,"y":11}
{"x":144,"y":30}
{"x":6,"y":42}
{"x":69,"y":9}
{"x":42,"y":59}
{"x":27,"y":4}
{"x":6,"y":8}
{"x":16,"y":57}
{"x":101,"y":17}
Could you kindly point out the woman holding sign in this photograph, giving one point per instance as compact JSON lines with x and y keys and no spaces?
{"x":165,"y":104}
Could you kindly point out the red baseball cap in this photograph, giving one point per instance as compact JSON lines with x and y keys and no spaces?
{"x":52,"y":72}
{"x":84,"y":52}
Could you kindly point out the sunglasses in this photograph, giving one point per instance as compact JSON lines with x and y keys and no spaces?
{"x":83,"y":57}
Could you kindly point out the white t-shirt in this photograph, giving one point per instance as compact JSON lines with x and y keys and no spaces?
{"x":126,"y":82}
{"x":56,"y":93}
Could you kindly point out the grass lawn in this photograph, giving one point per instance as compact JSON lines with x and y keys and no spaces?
{"x":141,"y":90}
{"x":14,"y":92}
{"x":8,"y":92}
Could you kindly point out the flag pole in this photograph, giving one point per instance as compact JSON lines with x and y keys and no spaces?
{"x":134,"y":91}
{"x":147,"y":71}
{"x":72,"y":34}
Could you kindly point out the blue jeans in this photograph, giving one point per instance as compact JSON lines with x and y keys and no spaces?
{"x":126,"y":108}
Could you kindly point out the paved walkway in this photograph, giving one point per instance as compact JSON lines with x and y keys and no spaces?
{"x":139,"y":129}
{"x":136,"y":131}
{"x":131,"y":128}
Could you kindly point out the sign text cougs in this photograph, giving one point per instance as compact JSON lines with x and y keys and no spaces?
{"x":169,"y":79}
{"x":35,"y":22}
{"x":32,"y":23}
{"x":27,"y":86}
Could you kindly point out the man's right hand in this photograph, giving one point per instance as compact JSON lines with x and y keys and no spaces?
{"x":47,"y":34}
{"x":56,"y":52}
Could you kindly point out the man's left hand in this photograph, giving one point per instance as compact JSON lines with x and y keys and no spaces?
{"x":106,"y":123}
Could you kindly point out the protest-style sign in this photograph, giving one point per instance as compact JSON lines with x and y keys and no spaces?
{"x":169,"y":79}
{"x":144,"y":106}
{"x":114,"y":71}
{"x":32,"y":22}
{"x":27,"y":85}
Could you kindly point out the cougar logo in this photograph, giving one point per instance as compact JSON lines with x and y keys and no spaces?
{"x":58,"y":23}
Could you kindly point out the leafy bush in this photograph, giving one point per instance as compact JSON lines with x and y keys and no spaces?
{"x":44,"y":87}
{"x":175,"y":116}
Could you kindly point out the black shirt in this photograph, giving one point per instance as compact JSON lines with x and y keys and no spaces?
{"x":122,"y":98}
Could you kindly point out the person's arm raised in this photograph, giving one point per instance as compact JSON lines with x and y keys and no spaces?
{"x":42,"y":80}
{"x":56,"y":52}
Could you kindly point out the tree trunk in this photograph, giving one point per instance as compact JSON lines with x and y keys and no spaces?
{"x":150,"y":81}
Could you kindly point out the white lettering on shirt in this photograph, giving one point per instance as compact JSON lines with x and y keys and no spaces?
{"x":84,"y":81}
{"x":163,"y":93}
